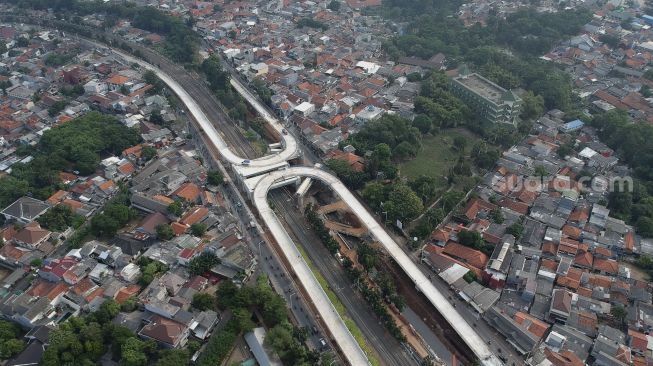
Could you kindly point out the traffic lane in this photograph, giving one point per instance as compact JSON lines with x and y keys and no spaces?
{"x":285,"y":287}
{"x":358,"y":309}
{"x":295,"y":302}
{"x":347,"y":295}
{"x":270,"y":265}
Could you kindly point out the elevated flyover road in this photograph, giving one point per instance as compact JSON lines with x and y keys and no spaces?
{"x":422,"y":283}
{"x":334,"y":323}
{"x":289,"y":144}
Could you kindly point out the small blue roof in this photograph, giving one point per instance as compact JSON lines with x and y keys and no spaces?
{"x":574,"y":124}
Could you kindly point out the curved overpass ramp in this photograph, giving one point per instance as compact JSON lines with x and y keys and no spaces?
{"x":289,"y":144}
{"x":346,"y":342}
{"x":466,"y":332}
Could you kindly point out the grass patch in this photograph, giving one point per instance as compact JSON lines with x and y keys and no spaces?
{"x":437,"y":155}
{"x":340,"y":308}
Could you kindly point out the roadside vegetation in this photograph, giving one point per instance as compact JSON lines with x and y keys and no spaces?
{"x":381,"y":292}
{"x":284,"y":339}
{"x":340,"y":308}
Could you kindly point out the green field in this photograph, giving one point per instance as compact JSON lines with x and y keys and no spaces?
{"x":437,"y":155}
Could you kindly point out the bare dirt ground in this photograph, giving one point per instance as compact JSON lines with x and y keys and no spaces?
{"x":635,"y":272}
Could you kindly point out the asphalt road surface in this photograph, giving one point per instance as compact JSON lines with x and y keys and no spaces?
{"x":389,"y":350}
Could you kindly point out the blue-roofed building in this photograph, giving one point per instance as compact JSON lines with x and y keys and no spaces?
{"x":572,"y":126}
{"x":648,"y":19}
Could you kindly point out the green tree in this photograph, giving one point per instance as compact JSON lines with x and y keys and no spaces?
{"x":176,"y":208}
{"x":450,"y":199}
{"x":124,"y":90}
{"x":198,"y":229}
{"x":173,"y":357}
{"x":425,"y":187}
{"x":148,"y":153}
{"x":471,"y":239}
{"x":129,"y":305}
{"x":352,"y":179}
{"x":644,"y":226}
{"x":619,"y":313}
{"x":564,"y":150}
{"x":403,"y":203}
{"x":244,"y":319}
{"x":497,"y":216}
{"x":104,"y":225}
{"x":334,"y":5}
{"x":541,"y":171}
{"x":149,"y":269}
{"x":57,"y":107}
{"x":10,"y":343}
{"x":37,"y":262}
{"x":214,"y":177}
{"x":219,"y":345}
{"x":156,"y":117}
{"x":374,"y":194}
{"x":57,"y":218}
{"x":610,"y":40}
{"x":404,"y":151}
{"x":203,"y":301}
{"x":132,"y":353}
{"x":107,"y":311}
{"x":164,"y":232}
{"x":11,"y":189}
{"x":279,"y":339}
{"x":423,"y":123}
{"x":532,"y":106}
{"x":516,"y":230}
{"x":202,"y":263}
{"x":368,"y":257}
{"x":226,"y":294}
{"x":459,"y":143}
{"x":470,"y":277}
{"x":11,"y":347}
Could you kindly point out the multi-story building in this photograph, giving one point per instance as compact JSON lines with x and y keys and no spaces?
{"x":492,"y":102}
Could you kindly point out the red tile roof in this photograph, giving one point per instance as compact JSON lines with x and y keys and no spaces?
{"x":189,"y":191}
{"x":572,"y":231}
{"x":597,"y":280}
{"x":164,"y":330}
{"x":584,"y":259}
{"x":564,"y":358}
{"x":638,"y":340}
{"x":50,"y":290}
{"x":127,"y":168}
{"x":475,"y":205}
{"x":179,"y":228}
{"x":73,"y":204}
{"x":127,"y":292}
{"x":194,"y":215}
{"x":629,"y":241}
{"x":609,"y":266}
{"x":534,"y":325}
{"x":468,"y":255}
{"x":56,"y":197}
